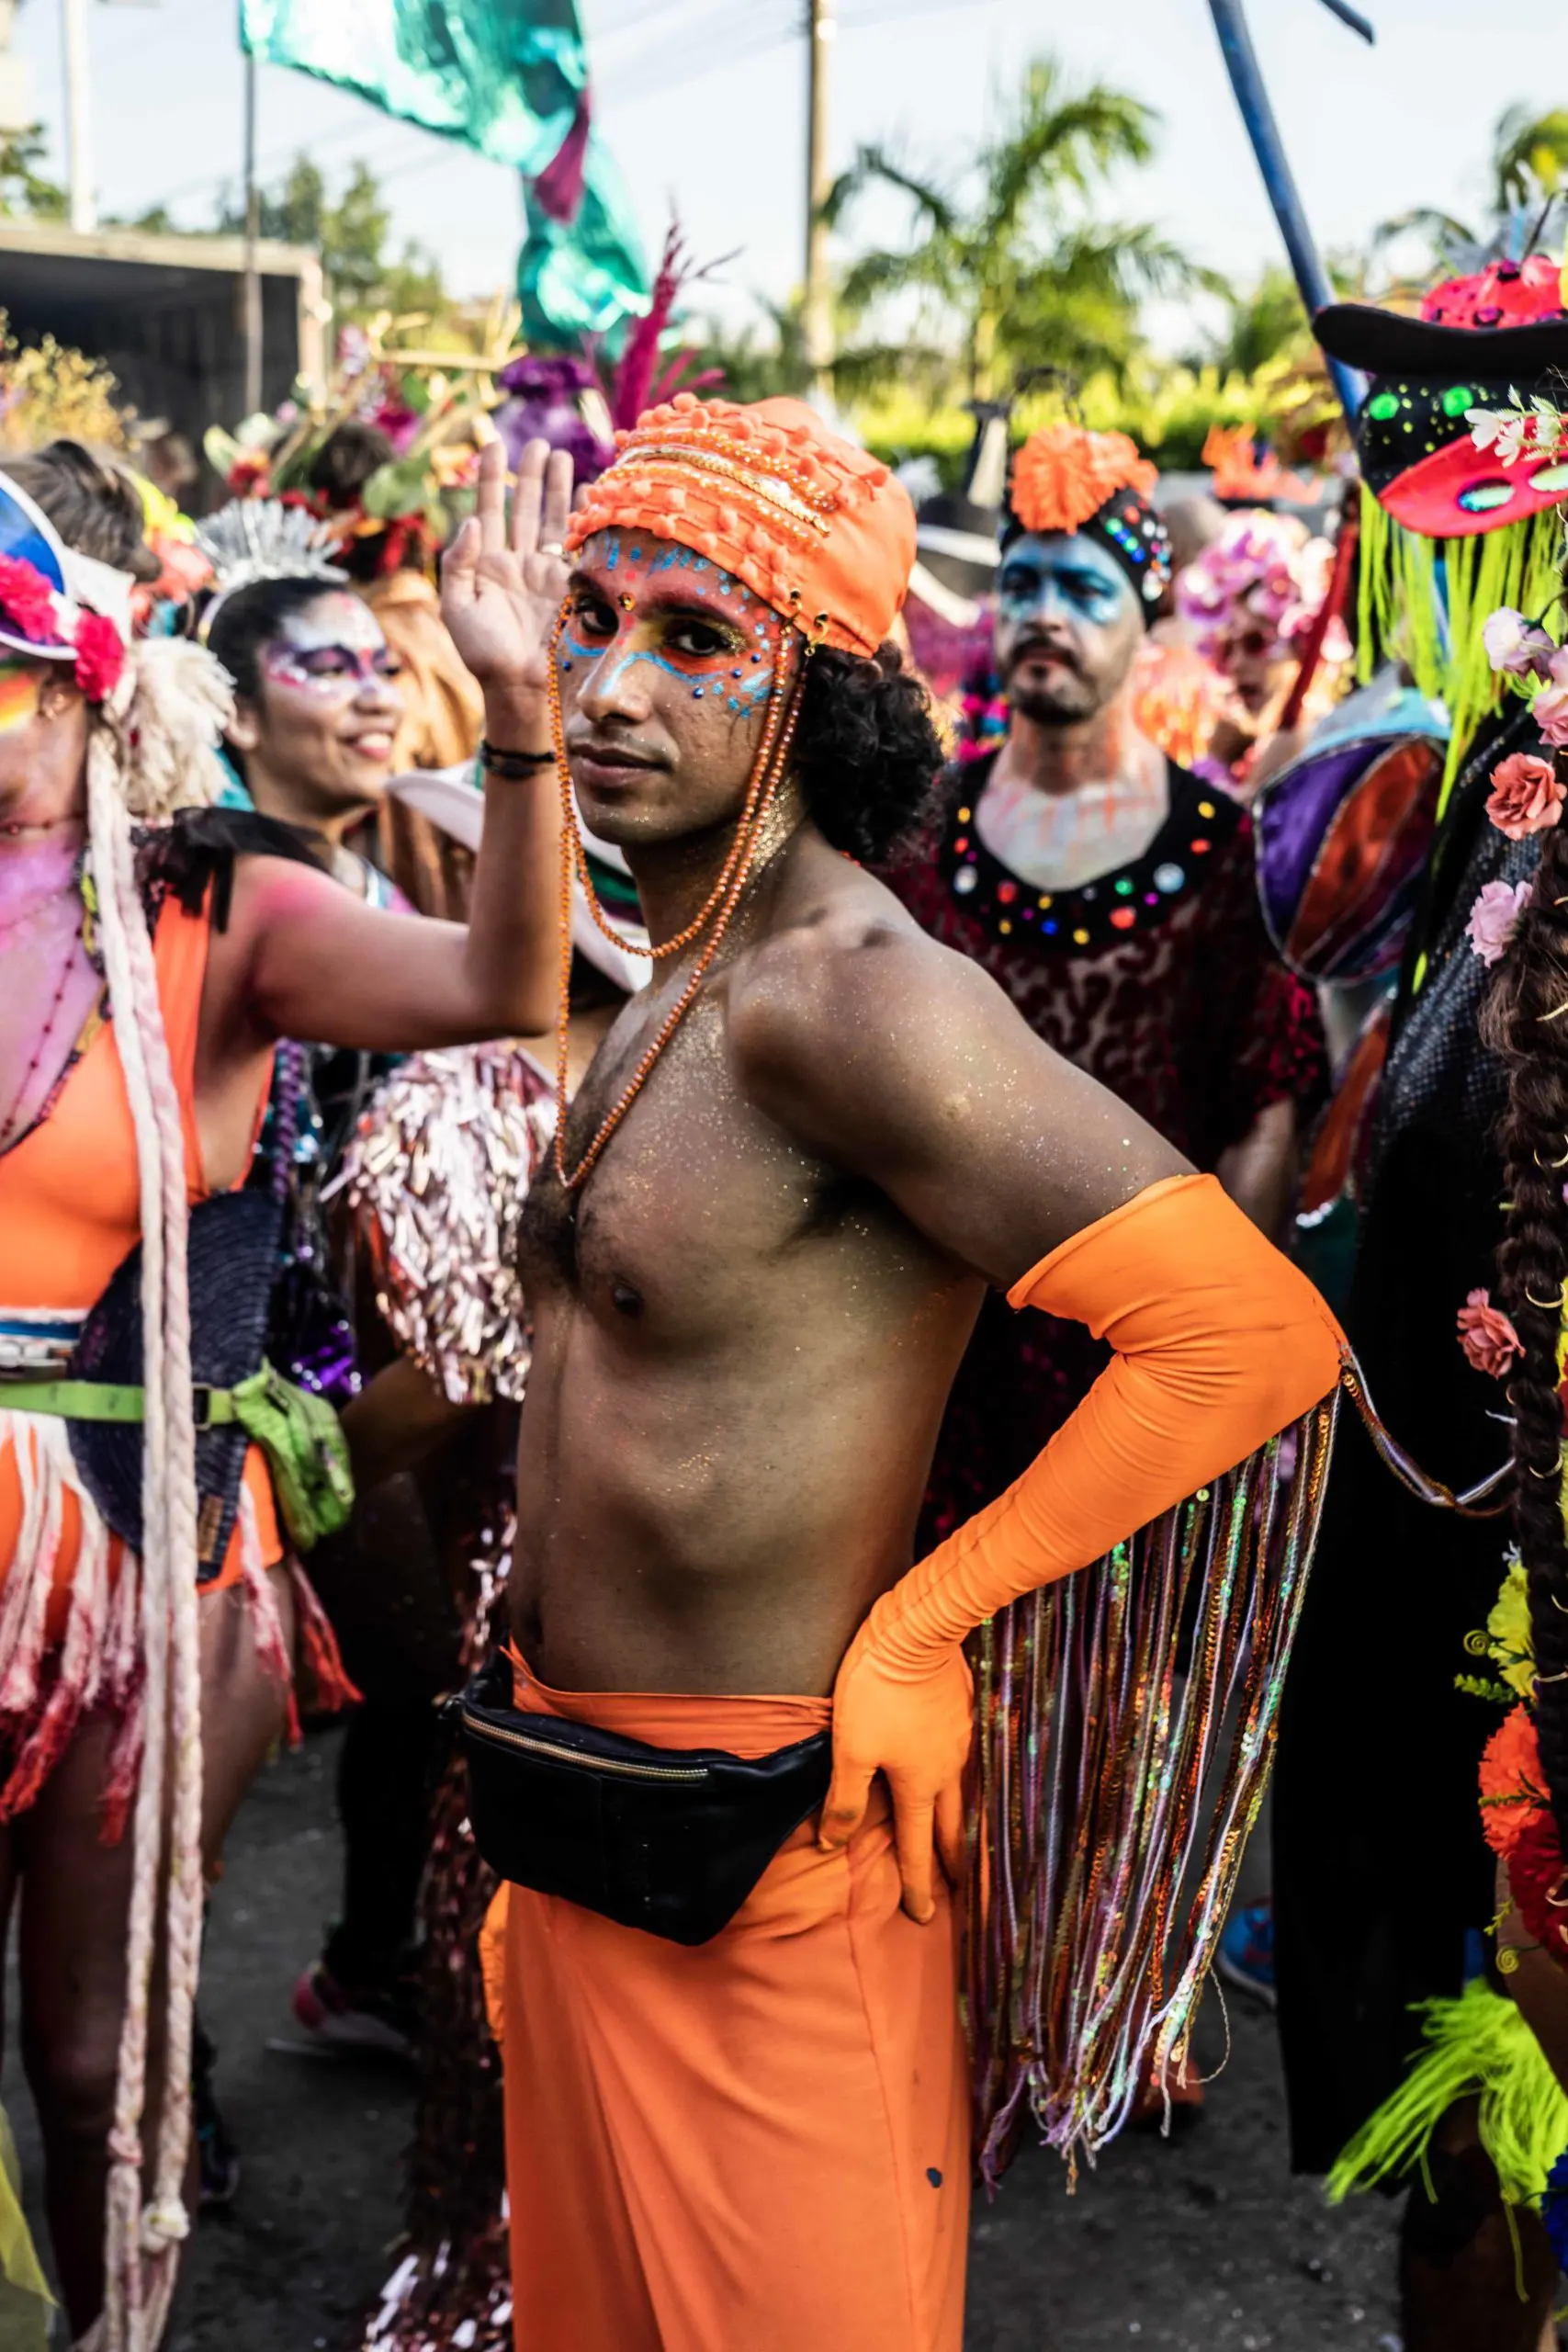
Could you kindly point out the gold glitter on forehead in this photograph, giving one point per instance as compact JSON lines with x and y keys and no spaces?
{"x":814,"y":526}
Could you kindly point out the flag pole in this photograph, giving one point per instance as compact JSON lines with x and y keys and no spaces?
{"x":1252,"y":97}
{"x":253,"y":292}
{"x":79,"y":116}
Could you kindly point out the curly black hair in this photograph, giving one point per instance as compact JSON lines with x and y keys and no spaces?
{"x":866,"y":751}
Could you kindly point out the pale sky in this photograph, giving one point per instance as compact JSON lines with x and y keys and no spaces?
{"x":702,"y":111}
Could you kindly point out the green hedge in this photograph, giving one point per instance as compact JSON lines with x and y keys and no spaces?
{"x":1169,"y":416}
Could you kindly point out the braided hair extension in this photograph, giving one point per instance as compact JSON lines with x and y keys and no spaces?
{"x":149,"y":749}
{"x":1522,"y":1022}
{"x":168,"y":1564}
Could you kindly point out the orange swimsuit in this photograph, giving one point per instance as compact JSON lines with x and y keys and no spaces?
{"x":69,"y":1212}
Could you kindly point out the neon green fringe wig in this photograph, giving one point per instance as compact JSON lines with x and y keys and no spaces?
{"x":1402,"y":609}
{"x":1476,"y":2044}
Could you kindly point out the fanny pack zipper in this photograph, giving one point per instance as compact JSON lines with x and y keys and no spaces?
{"x":481,"y":1730}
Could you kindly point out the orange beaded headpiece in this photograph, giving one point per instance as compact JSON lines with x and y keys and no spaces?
{"x":818,"y":529}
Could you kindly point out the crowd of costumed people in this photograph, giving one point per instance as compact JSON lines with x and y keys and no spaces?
{"x":1061,"y":887}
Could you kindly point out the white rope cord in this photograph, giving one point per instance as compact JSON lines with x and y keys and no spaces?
{"x":137,"y":2293}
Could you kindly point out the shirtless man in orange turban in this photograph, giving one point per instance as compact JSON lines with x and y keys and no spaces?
{"x":737,"y":2108}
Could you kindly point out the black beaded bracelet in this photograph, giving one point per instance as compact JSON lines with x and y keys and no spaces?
{"x":514,"y":768}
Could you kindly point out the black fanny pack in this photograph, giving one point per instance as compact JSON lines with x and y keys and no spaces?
{"x":668,"y":1839}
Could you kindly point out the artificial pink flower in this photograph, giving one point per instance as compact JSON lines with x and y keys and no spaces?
{"x":1550,"y":712}
{"x":1514,"y":645}
{"x":1489,"y":1339}
{"x":101,"y":656}
{"x":27,"y":599}
{"x":1525,"y":796}
{"x":1557,"y":666}
{"x":1493,"y":917}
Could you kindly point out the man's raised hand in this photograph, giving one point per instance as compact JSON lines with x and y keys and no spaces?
{"x":501,"y":591}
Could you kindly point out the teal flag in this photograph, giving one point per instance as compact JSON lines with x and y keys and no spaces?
{"x":587,"y":276}
{"x":510,"y":79}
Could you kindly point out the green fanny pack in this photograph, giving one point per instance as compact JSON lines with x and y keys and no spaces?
{"x":298,"y":1432}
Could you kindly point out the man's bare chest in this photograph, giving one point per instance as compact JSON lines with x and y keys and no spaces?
{"x":694,"y":1204}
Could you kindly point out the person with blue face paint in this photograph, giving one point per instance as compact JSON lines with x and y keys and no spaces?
{"x":1110,"y":890}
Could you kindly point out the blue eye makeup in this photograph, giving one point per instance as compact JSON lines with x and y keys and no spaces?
{"x":1071,"y":576}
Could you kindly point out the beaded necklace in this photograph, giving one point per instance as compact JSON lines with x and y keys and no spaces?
{"x":12,"y":1130}
{"x":1140,"y":895}
{"x":767,"y":773}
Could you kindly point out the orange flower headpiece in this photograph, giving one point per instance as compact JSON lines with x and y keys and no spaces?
{"x":817,"y":528}
{"x":1068,"y":478}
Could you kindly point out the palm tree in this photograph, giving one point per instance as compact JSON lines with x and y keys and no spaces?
{"x":1008,"y":255}
{"x":1528,"y":172}
{"x":1261,"y":321}
{"x":1530,"y":157}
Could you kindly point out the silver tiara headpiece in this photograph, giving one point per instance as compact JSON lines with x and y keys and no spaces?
{"x":261,"y":538}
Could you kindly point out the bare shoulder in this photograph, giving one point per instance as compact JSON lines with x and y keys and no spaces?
{"x":848,"y":1013}
{"x":881,"y":1052}
{"x":846,"y":962}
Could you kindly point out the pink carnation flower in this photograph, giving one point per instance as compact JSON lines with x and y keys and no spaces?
{"x":1514,"y":645}
{"x":1489,"y":1339}
{"x":101,"y":656}
{"x":1525,"y":796}
{"x":1493,"y":917}
{"x":1550,"y":712}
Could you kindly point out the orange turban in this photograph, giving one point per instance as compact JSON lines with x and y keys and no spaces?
{"x":818,"y":529}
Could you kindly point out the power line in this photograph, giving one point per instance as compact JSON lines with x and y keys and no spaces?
{"x":861,"y":19}
{"x":737,"y":40}
{"x":755,"y":39}
{"x":749,"y":37}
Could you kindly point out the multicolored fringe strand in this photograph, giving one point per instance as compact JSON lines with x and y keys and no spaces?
{"x":1104,"y":1795}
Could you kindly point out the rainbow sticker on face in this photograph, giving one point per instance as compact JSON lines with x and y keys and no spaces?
{"x":20,"y":685}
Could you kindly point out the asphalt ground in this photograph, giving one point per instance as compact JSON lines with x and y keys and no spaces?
{"x":1200,"y":2243}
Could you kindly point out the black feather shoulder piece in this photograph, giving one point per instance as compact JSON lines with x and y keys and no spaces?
{"x":198,"y":849}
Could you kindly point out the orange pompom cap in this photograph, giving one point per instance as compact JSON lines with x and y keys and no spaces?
{"x":1064,"y":474}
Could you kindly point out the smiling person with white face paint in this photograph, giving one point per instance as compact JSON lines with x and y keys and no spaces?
{"x":317,"y":709}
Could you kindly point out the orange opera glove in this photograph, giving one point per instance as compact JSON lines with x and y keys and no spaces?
{"x":1220,"y":1343}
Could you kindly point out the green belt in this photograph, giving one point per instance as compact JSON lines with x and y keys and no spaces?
{"x":297,"y":1431}
{"x":109,"y":1401}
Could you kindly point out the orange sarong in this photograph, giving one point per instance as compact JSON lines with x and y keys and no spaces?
{"x":762,"y":2143}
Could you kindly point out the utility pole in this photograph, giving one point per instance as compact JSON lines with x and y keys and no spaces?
{"x":79,"y":116}
{"x":253,"y":291}
{"x":816,"y":314}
